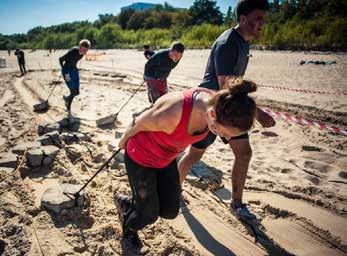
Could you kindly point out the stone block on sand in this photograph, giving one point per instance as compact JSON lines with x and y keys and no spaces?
{"x":47,"y":128}
{"x":50,"y":150}
{"x":118,"y":134}
{"x":20,"y":148}
{"x":106,"y":120}
{"x":51,"y":138}
{"x":71,"y":137}
{"x":8,"y":160}
{"x":35,"y":157}
{"x":55,"y":200}
{"x":112,"y":145}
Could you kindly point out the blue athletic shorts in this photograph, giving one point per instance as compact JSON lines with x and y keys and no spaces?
{"x":71,"y":78}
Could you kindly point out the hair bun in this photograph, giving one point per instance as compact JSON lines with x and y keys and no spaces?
{"x":249,"y":86}
{"x":243,"y":87}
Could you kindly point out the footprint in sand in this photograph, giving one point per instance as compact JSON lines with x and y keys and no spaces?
{"x":326,"y":157}
{"x":321,"y":167}
{"x":269,"y":134}
{"x":313,"y":179}
{"x":311,"y":148}
{"x":286,"y":170}
{"x":343,"y":174}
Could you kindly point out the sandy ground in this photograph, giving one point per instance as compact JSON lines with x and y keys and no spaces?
{"x":296,"y":182}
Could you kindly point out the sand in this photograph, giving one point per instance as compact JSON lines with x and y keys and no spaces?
{"x":296,"y":184}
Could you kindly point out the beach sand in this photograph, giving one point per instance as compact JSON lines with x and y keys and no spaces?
{"x":296,"y":183}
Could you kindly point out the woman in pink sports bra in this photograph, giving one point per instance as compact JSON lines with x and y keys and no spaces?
{"x":156,"y":138}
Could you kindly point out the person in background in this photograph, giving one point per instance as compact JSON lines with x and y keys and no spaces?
{"x":148,"y":52}
{"x":21,"y":61}
{"x":68,"y":63}
{"x":158,"y":68}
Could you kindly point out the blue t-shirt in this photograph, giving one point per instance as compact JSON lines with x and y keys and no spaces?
{"x":229,"y":57}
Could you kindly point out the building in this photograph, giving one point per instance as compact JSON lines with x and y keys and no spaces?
{"x":139,"y":6}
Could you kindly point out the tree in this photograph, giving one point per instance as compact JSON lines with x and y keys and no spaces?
{"x":104,"y":19}
{"x":229,"y":17}
{"x":124,"y":16}
{"x":137,"y":20}
{"x":183,"y":19}
{"x":109,"y":36}
{"x":206,"y":11}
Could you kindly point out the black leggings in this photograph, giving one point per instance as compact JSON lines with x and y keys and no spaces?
{"x":156,"y":192}
{"x":22,"y":67}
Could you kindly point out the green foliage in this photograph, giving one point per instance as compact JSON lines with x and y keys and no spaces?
{"x":206,"y":11}
{"x":292,"y":24}
{"x":124,"y":16}
{"x":110,"y":36}
{"x":202,"y":36}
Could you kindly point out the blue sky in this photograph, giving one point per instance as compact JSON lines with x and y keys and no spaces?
{"x":18,"y":16}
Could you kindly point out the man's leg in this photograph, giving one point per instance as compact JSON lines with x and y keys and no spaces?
{"x":243,"y":154}
{"x":152,"y":90}
{"x":25,"y":71}
{"x":162,"y":87}
{"x":74,"y":85}
{"x":21,"y":68}
{"x":169,"y":191}
{"x":73,"y":93}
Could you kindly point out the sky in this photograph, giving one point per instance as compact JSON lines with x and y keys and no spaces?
{"x":18,"y":16}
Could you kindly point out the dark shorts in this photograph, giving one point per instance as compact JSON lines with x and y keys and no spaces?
{"x":210,"y":138}
{"x":156,"y":88}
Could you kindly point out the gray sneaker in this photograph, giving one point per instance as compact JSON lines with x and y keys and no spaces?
{"x":242,"y":213}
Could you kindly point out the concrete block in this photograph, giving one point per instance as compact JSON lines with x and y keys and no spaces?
{"x":8,"y":160}
{"x":106,"y":120}
{"x":50,"y":150}
{"x":55,"y":200}
{"x":20,"y":148}
{"x":51,"y":138}
{"x":35,"y":157}
{"x":71,"y":137}
{"x":47,"y":128}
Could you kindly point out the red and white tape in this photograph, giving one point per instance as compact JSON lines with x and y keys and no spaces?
{"x":304,"y":90}
{"x":300,"y":120}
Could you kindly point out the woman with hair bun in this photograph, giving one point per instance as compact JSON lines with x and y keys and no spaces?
{"x":157,"y":136}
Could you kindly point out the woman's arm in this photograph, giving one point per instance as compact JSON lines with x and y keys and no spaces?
{"x":163,"y":116}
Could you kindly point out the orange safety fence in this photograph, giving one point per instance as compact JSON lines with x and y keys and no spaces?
{"x":92,"y":56}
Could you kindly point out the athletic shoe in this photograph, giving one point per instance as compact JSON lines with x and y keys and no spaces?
{"x":130,"y":237}
{"x":242,"y":213}
{"x":132,"y":240}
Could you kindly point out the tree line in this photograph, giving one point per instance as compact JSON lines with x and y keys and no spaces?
{"x":292,"y":24}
